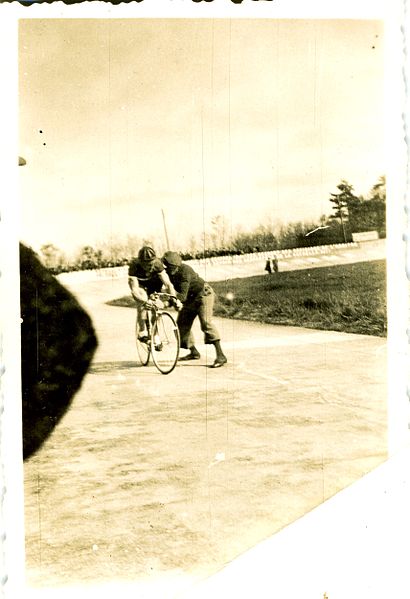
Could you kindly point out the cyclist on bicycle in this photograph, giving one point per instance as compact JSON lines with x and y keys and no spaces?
{"x":197,"y":299}
{"x":147,"y":275}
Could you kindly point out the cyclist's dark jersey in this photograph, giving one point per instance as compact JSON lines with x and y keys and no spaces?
{"x":188,"y":284}
{"x":151,"y":282}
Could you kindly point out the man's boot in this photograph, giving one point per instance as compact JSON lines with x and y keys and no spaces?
{"x":193,"y":354}
{"x":220,"y":359}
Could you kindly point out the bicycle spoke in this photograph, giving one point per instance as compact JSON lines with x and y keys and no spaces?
{"x":165,"y":343}
{"x":143,"y":349}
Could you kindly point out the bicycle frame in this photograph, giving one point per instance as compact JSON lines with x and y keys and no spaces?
{"x":164,"y":342}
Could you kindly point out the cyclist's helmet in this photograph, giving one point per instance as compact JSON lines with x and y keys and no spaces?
{"x":171,"y":260}
{"x":146,"y":254}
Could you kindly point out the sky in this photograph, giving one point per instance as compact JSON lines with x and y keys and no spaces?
{"x":256,"y":120}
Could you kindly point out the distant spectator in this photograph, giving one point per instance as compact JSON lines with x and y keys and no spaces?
{"x":272,"y":265}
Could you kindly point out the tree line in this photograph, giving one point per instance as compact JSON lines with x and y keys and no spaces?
{"x":350,"y":214}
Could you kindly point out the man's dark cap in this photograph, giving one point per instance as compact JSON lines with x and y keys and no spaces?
{"x":171,"y":259}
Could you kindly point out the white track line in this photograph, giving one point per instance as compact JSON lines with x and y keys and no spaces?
{"x":319,"y":337}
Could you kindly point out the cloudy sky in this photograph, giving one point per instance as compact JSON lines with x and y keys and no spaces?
{"x":255,"y":120}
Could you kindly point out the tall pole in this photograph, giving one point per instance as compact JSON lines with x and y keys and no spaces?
{"x":165,"y":228}
{"x":341,"y":216}
{"x":343,"y":226}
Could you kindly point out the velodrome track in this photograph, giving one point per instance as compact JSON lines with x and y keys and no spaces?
{"x":154,"y":482}
{"x":217,"y":269}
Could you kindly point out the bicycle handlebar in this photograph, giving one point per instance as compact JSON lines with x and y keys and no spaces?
{"x":157,"y":295}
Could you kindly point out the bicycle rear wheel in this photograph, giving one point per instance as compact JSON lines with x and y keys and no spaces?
{"x":143,"y":349}
{"x":165,"y":343}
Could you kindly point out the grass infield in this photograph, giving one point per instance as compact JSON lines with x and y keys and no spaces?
{"x":350,"y":298}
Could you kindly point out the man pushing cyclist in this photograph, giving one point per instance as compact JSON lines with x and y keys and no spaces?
{"x":147,"y":274}
{"x":196,"y":298}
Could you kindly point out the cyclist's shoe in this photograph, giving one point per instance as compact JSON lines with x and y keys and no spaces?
{"x":191,"y":356}
{"x":157,"y":343}
{"x":220,"y":361}
{"x":143,"y":338}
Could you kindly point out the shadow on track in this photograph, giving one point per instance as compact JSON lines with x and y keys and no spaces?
{"x":108,"y":367}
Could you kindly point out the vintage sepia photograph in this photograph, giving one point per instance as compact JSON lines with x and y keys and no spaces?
{"x":204,"y":302}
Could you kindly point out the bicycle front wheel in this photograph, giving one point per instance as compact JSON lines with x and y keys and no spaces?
{"x":143,"y":349}
{"x":165,"y":343}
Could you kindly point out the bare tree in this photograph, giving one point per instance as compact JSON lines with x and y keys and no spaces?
{"x":52,"y":257}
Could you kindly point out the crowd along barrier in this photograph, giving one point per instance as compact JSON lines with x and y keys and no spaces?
{"x":121,"y":271}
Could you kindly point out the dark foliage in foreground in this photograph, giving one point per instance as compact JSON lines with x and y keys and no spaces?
{"x":57,"y":344}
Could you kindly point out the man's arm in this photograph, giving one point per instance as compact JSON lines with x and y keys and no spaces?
{"x":167,"y":282}
{"x":184,"y":286}
{"x":137,"y":292}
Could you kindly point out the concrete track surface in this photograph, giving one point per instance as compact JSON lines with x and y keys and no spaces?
{"x":152,"y":483}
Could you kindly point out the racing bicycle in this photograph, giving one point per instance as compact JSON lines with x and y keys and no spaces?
{"x":163,"y":340}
